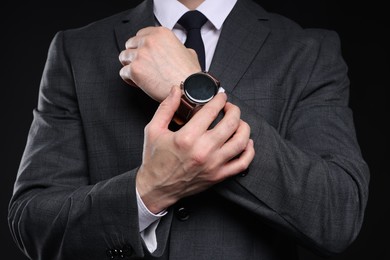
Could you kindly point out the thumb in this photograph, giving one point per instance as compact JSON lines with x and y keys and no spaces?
{"x":165,"y":112}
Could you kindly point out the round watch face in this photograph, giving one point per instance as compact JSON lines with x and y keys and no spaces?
{"x":200,"y":88}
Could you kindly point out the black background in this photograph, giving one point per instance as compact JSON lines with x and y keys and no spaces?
{"x":27,"y":29}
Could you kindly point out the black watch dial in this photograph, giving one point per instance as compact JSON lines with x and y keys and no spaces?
{"x":200,"y":88}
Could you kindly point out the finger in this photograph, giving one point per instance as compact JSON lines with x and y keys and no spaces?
{"x":228,"y":124}
{"x":193,"y":53}
{"x":166,"y":110}
{"x":141,"y":35}
{"x":125,"y":74}
{"x":202,"y":120}
{"x":127,"y":56}
{"x":133,"y":42}
{"x":236,"y":144}
{"x":148,"y":30}
{"x":239,"y":164}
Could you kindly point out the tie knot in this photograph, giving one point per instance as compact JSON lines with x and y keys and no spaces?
{"x":192,"y":20}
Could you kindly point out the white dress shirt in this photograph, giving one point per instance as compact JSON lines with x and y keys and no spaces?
{"x":167,"y":13}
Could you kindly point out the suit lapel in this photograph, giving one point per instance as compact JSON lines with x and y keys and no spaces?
{"x":140,"y":17}
{"x":241,"y":38}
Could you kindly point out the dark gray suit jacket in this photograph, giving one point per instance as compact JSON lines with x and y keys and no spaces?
{"x":74,"y":196}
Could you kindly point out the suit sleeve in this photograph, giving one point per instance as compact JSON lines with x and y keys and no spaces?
{"x":308,"y":178}
{"x":55,"y":211}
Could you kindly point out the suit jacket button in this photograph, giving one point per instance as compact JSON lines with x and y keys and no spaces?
{"x":182,"y":214}
{"x":120,"y":253}
{"x":110,"y":253}
{"x":244,"y":173}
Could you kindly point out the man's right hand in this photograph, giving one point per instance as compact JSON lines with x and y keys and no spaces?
{"x":192,"y":159}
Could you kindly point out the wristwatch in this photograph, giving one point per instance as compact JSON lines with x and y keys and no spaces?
{"x":197,"y":90}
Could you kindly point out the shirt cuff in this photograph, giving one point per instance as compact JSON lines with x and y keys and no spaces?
{"x":145,"y":217}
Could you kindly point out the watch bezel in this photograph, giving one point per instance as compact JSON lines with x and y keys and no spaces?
{"x":204,"y":76}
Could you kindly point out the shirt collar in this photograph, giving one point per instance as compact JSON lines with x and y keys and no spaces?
{"x":168,"y":12}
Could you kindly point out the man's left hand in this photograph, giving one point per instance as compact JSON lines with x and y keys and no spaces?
{"x":155,"y":61}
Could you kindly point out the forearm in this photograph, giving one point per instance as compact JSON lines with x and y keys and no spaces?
{"x":312,"y":188}
{"x":58,"y":207}
{"x":68,"y":220}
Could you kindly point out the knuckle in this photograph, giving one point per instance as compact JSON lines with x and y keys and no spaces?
{"x":213,"y":111}
{"x":163,"y":29}
{"x":141,"y":54}
{"x":241,"y":145}
{"x":246,"y":126}
{"x":125,"y":72}
{"x":128,"y":43}
{"x":152,"y":130}
{"x":232,"y":123}
{"x":148,"y":128}
{"x":199,"y":158}
{"x":149,"y":41}
{"x":192,"y":52}
{"x":236,"y":111}
{"x":122,"y":57}
{"x":242,"y":166}
{"x":122,"y":72}
{"x":134,"y":69}
{"x":183,"y":142}
{"x":163,"y":32}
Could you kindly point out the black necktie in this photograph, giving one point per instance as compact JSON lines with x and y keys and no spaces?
{"x":192,"y":21}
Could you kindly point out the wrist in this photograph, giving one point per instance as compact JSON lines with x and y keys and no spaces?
{"x":145,"y":216}
{"x":153,"y":198}
{"x":197,"y":90}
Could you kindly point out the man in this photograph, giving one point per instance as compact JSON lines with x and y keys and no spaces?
{"x":108,"y":173}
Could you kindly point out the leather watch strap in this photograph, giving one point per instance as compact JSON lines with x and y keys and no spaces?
{"x":185,"y":111}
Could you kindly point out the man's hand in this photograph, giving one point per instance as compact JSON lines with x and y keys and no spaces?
{"x":155,"y":60}
{"x":190,"y":160}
